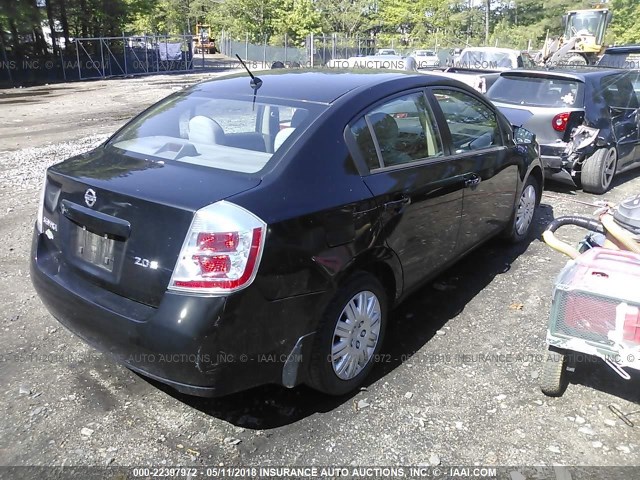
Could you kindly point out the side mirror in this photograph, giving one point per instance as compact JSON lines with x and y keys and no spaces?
{"x":609,"y":17}
{"x":522,"y":135}
{"x":564,"y":21}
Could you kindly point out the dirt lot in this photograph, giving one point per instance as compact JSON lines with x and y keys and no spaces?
{"x":457,"y":384}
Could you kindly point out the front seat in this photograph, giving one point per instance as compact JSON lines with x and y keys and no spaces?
{"x":296,"y":120}
{"x":205,"y":130}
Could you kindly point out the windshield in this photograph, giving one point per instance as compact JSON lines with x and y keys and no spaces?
{"x":486,"y":59}
{"x":224,"y":133}
{"x":537,"y":91}
{"x":586,"y":23}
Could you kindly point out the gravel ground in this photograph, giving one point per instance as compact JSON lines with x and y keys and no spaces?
{"x":457,"y":383}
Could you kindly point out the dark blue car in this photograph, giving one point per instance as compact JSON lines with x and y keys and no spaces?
{"x":238,"y":234}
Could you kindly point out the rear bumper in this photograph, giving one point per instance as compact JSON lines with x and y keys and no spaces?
{"x":205,"y":346}
{"x":556,"y":166}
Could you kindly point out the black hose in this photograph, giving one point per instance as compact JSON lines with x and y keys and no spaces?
{"x":586,"y":223}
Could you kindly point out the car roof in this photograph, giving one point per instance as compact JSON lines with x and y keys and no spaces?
{"x":623,"y":49}
{"x":581,"y":74}
{"x":311,"y":86}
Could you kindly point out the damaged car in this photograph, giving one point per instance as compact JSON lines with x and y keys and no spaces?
{"x":251,"y":231}
{"x":587,"y":121}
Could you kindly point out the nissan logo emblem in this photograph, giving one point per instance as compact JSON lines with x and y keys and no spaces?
{"x":90,"y":197}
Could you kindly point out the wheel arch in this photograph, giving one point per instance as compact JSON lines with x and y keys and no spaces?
{"x":384,"y":265}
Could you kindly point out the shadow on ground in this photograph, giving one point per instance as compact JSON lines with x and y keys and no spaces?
{"x":595,"y":373}
{"x":620,"y":179}
{"x":272,"y":406}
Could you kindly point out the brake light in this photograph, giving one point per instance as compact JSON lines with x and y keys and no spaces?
{"x":221,"y":252}
{"x":560,"y":121}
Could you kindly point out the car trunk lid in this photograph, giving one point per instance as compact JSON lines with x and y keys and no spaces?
{"x":120,"y":222}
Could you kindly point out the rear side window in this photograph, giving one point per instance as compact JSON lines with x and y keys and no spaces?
{"x":400,"y":131}
{"x":537,"y":91}
{"x":473,"y":124}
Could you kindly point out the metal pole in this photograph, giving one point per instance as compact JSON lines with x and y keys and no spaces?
{"x":324,"y":49}
{"x":264,"y":51}
{"x":146,"y":54}
{"x":157,"y":50}
{"x":285,"y":48}
{"x":77,"y":42}
{"x":102,"y":57}
{"x":246,"y":46}
{"x":124,"y":50}
{"x":64,"y":72}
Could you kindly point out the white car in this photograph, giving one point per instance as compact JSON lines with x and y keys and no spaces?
{"x":425,"y":58}
{"x":493,"y":58}
{"x":386,"y":51}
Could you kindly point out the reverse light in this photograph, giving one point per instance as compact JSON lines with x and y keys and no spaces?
{"x":560,"y":121}
{"x":221,"y":252}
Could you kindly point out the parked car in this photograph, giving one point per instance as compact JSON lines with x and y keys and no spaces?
{"x":237,"y":234}
{"x":386,"y":51}
{"x":625,"y":56}
{"x":480,"y":67}
{"x":425,"y":58}
{"x":586,"y":121}
{"x":493,"y":58}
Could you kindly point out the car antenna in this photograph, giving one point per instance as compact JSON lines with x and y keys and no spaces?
{"x":255,"y":83}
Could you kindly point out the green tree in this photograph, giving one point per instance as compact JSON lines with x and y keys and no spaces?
{"x":625,"y":27}
{"x":297,"y":19}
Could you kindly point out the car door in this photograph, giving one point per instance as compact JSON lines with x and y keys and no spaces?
{"x":620,"y":97}
{"x":416,"y":186}
{"x":491,"y":173}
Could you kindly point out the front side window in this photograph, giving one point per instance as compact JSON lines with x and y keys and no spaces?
{"x":400,"y":131}
{"x":473,"y":124}
{"x":238,"y":135}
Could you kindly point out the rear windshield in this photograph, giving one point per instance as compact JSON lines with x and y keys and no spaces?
{"x":621,"y":60}
{"x":537,"y":91}
{"x":233,"y":134}
{"x":480,"y":59}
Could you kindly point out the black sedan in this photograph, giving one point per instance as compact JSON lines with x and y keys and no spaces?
{"x":241,"y":233}
{"x":586,"y":121}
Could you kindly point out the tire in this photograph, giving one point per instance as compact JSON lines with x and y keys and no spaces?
{"x":598,"y":170}
{"x":340,"y":375}
{"x":575,"y":59}
{"x":553,"y":379}
{"x":525,"y":211}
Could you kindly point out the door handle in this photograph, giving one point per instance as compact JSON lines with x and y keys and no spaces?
{"x":397,"y":204}
{"x":472,"y":180}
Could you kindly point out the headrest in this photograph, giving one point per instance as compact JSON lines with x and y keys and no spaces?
{"x":298,"y":117}
{"x":205,"y":130}
{"x":384,"y":126}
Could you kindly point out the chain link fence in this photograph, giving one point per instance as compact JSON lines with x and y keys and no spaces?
{"x":103,"y":57}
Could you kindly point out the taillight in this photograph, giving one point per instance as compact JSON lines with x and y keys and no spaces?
{"x":221,"y":252}
{"x":560,"y":121}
